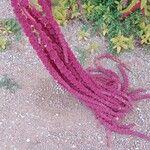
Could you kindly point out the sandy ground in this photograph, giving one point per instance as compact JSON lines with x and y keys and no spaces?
{"x":41,"y":115}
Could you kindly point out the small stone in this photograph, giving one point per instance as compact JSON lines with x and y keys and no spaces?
{"x":73,"y":146}
{"x":57,"y":115}
{"x":79,"y":124}
{"x":28,"y":140}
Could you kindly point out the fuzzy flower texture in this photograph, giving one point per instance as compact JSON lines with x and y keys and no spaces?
{"x":100,"y":89}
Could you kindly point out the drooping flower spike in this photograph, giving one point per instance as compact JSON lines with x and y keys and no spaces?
{"x":100,"y":89}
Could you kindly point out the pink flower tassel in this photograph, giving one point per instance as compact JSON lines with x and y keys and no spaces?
{"x":100,"y":89}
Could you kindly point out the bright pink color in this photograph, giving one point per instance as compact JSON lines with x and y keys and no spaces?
{"x":98,"y":88}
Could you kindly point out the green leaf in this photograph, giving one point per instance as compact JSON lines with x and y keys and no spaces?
{"x":143,"y":3}
{"x":8,"y":84}
{"x":3,"y":43}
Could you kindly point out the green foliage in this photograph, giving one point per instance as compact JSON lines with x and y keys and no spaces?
{"x":121,"y":42}
{"x":36,"y":4}
{"x":84,"y":34}
{"x":72,"y":8}
{"x":8,"y":27}
{"x":12,"y":26}
{"x":93,"y":47}
{"x":88,"y":7}
{"x":8,"y":84}
{"x":145,"y":33}
{"x":64,"y":10}
{"x":106,"y":18}
{"x":60,"y":13}
{"x":3,"y":43}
